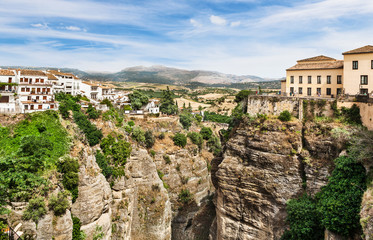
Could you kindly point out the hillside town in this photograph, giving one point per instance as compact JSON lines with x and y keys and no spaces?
{"x":25,"y":91}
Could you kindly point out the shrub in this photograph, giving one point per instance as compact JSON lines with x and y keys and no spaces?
{"x":186,"y":119}
{"x":198,"y":117}
{"x":196,"y":138}
{"x":131,"y":123}
{"x":149,"y":139}
{"x":184,"y":196}
{"x":90,"y":130}
{"x":304,"y":220}
{"x":285,"y":116}
{"x":106,"y":169}
{"x":241,"y":95}
{"x":352,"y":115}
{"x":70,"y":178}
{"x":92,"y":112}
{"x":167,"y":159}
{"x":339,"y":201}
{"x":58,"y":204}
{"x":206,"y":133}
{"x":161,"y":135}
{"x":107,"y":102}
{"x":180,"y":140}
{"x":35,"y":209}
{"x":214,"y":144}
{"x":215,"y":117}
{"x":77,"y":233}
{"x":138,"y":134}
{"x":118,"y":150}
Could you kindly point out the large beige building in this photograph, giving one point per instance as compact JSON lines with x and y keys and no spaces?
{"x":323,"y":76}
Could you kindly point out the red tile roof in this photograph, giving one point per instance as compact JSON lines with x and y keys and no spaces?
{"x":365,"y":49}
{"x":6,"y":72}
{"x":29,"y":72}
{"x":338,"y":64}
{"x":317,"y":59}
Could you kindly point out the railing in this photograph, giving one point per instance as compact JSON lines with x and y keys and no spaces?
{"x":12,"y":235}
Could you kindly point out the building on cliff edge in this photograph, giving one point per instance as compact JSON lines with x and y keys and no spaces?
{"x":323,"y":76}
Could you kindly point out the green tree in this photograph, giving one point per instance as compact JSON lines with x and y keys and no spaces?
{"x":58,"y":204}
{"x":196,"y":138}
{"x":92,"y":112}
{"x":185,"y":119}
{"x":285,"y":116}
{"x":138,"y":99}
{"x":149,"y":139}
{"x":168,"y":105}
{"x":35,"y":209}
{"x":339,"y":201}
{"x":241,"y":95}
{"x":206,"y":133}
{"x":180,"y":140}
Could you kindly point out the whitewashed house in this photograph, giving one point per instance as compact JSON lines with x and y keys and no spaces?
{"x":152,"y":106}
{"x":67,"y":82}
{"x":8,"y":92}
{"x":91,"y":90}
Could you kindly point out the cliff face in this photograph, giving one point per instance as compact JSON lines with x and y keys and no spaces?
{"x":266,"y":163}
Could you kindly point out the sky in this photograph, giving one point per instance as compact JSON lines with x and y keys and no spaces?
{"x":242,"y":37}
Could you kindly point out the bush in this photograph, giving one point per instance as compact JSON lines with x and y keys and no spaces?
{"x":107,"y":102}
{"x":35,"y":209}
{"x":304,"y":220}
{"x":106,"y":169}
{"x":58,"y":204}
{"x":138,"y":134}
{"x":77,"y":233}
{"x":285,"y":116}
{"x":117,"y":150}
{"x":131,"y":123}
{"x":180,"y":140}
{"x":214,"y":144}
{"x":167,"y":159}
{"x":90,"y":130}
{"x":185,"y":196}
{"x":152,"y":152}
{"x":149,"y":139}
{"x":161,"y":135}
{"x":198,"y":118}
{"x":242,"y":95}
{"x":70,"y":178}
{"x":186,"y":120}
{"x":92,"y":112}
{"x":352,"y":115}
{"x":196,"y":138}
{"x":215,"y":117}
{"x":206,"y":133}
{"x":339,"y":201}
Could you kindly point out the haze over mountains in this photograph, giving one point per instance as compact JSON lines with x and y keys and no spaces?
{"x":161,"y":74}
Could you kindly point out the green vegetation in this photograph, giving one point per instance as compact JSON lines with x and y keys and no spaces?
{"x":77,"y":233}
{"x":185,"y":196}
{"x":214,"y":145}
{"x":69,"y":167}
{"x":241,"y":95}
{"x":339,"y":201}
{"x":196,"y":138}
{"x":139,"y":135}
{"x":186,"y":119}
{"x":92,"y":112}
{"x":285,"y":116}
{"x":167,"y":159}
{"x":35,"y":209}
{"x":138,"y":99}
{"x":180,"y":140}
{"x":149,"y":139}
{"x":215,"y":117}
{"x":58,"y":204}
{"x":107,"y":102}
{"x":67,"y":103}
{"x":336,"y":207}
{"x":168,"y":105}
{"x":28,"y":150}
{"x":106,"y":169}
{"x":206,"y":133}
{"x":304,"y":220}
{"x":352,"y":115}
{"x":90,"y":130}
{"x":99,"y":234}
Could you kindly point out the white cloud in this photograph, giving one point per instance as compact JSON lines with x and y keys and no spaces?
{"x":73,"y":28}
{"x":235,"y":24}
{"x":39,"y":25}
{"x":195,"y":23}
{"x":218,"y":20}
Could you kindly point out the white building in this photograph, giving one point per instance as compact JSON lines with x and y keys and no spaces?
{"x":91,"y":90}
{"x":152,"y":106}
{"x":66,"y":82}
{"x":34,"y":91}
{"x":8,"y":91}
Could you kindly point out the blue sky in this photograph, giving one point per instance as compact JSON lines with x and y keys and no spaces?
{"x":240,"y":37}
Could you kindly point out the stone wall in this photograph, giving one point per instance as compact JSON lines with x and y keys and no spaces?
{"x":366,"y":112}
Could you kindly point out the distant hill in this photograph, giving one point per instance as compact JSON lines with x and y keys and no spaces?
{"x":162,"y":75}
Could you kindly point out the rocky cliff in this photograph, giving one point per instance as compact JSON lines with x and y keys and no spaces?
{"x":265,"y":163}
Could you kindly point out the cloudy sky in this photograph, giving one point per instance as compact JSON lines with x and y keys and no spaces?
{"x":253,"y":37}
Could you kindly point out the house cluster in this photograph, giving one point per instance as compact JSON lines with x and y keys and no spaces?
{"x":25,"y":90}
{"x":323,"y":76}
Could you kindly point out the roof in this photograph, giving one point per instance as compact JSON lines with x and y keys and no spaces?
{"x":317,"y":59}
{"x":58,"y":73}
{"x":6,"y":72}
{"x":91,"y":84}
{"x":51,"y":77}
{"x":29,"y":72}
{"x":338,"y":64}
{"x":365,"y":49}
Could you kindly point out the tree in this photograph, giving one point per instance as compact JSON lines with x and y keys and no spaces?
{"x":92,"y":112}
{"x":206,"y":133}
{"x":149,"y":139}
{"x":168,"y":105}
{"x":138,"y":99}
{"x":285,"y":116}
{"x":196,"y":138}
{"x":58,"y":204}
{"x":241,"y":95}
{"x":186,"y":119}
{"x":35,"y":209}
{"x":180,"y":140}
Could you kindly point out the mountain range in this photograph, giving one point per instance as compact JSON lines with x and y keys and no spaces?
{"x":160,"y":74}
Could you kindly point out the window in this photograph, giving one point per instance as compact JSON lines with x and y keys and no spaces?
{"x":364,"y":91}
{"x":300,"y":90}
{"x":371,"y":64}
{"x":27,"y":89}
{"x":300,"y":79}
{"x":29,"y":98}
{"x":40,"y":107}
{"x":26,"y":107}
{"x":32,"y":107}
{"x":292,"y":90}
{"x":52,"y":106}
{"x":42,"y":80}
{"x":309,"y":91}
{"x":339,"y":79}
{"x":23,"y":89}
{"x":44,"y":97}
{"x":355,"y":64}
{"x":318,"y":79}
{"x":328,"y":79}
{"x":364,"y":79}
{"x":37,"y":80}
{"x":318,"y":90}
{"x":328,"y":91}
{"x":339,"y":91}
{"x":21,"y":80}
{"x":10,"y":80}
{"x":309,"y":79}
{"x":291,"y":79}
